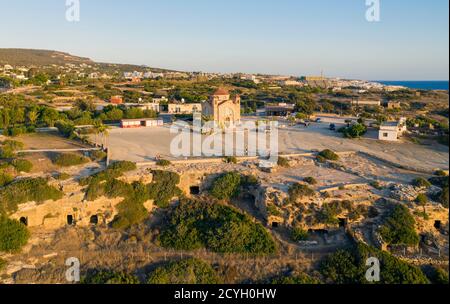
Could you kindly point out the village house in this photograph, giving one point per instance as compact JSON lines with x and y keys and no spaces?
{"x":281,"y":109}
{"x":140,"y":122}
{"x":184,"y":108}
{"x":392,"y":131}
{"x":116,"y":100}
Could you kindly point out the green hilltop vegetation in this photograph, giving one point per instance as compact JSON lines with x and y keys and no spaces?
{"x":217,"y":227}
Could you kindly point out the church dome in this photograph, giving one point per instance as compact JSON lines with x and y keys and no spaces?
{"x":221,"y":92}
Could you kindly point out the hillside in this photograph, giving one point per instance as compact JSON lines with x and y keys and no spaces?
{"x":27,"y":57}
{"x":39,"y":58}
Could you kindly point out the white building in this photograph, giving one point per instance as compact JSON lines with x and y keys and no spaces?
{"x":392,"y":131}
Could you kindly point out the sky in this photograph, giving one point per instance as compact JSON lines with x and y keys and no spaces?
{"x":289,"y":37}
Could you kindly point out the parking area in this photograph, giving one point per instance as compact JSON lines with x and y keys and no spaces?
{"x":145,"y":144}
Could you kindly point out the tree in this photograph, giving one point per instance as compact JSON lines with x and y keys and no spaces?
{"x":355,"y":131}
{"x":32,"y":116}
{"x":49,"y":116}
{"x":399,"y":227}
{"x":422,"y":200}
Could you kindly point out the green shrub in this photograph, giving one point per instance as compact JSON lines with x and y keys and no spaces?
{"x":163,"y":163}
{"x":98,"y":155}
{"x":249,"y":181}
{"x":310,"y":180}
{"x":164,"y":187}
{"x":439,"y":181}
{"x":399,"y":227}
{"x":16,"y":131}
{"x":69,"y":160}
{"x":190,"y":271}
{"x":273,"y":210}
{"x":9,"y":147}
{"x":438,"y":276}
{"x":298,"y":234}
{"x":329,"y":155}
{"x":13,"y":235}
{"x":321,"y":159}
{"x":122,"y":166}
{"x":5,"y":179}
{"x":226,"y":186}
{"x":109,"y":277}
{"x":349,"y":267}
{"x":65,"y":128}
{"x":27,"y":190}
{"x":131,"y":209}
{"x":22,"y":165}
{"x":283,"y":162}
{"x":440,"y":173}
{"x":421,"y":199}
{"x":219,"y":228}
{"x":13,"y":144}
{"x":420,"y":182}
{"x":63,"y":176}
{"x":355,"y":131}
{"x":299,"y":191}
{"x":230,"y":160}
{"x":376,"y":185}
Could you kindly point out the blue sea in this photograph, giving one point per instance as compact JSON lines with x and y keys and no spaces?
{"x":418,"y":85}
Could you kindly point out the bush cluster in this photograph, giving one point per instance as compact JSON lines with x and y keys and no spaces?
{"x":299,"y":191}
{"x":101,"y":277}
{"x":190,"y":271}
{"x":283,"y":162}
{"x":226,"y":186}
{"x":69,"y":160}
{"x":420,"y":182}
{"x":349,"y":267}
{"x":219,"y":228}
{"x":329,"y":155}
{"x":13,"y":235}
{"x":26,"y":190}
{"x":399,"y":227}
{"x":22,"y":165}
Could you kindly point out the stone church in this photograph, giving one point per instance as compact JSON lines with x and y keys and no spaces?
{"x":225,"y":111}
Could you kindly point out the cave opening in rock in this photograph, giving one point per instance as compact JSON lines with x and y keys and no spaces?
{"x":24,"y":221}
{"x":94,"y":220}
{"x":438,"y":225}
{"x":343,"y":222}
{"x":194,"y":190}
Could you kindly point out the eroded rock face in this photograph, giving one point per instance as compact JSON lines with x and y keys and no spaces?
{"x":402,"y":192}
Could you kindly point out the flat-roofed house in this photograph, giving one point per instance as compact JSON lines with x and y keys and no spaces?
{"x":392,"y":131}
{"x":370,"y":103}
{"x":184,"y":108}
{"x":140,"y":122}
{"x":281,"y":109}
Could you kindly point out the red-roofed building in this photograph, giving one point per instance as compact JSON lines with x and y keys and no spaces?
{"x":116,"y":100}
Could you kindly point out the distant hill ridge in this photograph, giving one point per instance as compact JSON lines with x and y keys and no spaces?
{"x":39,"y":58}
{"x":27,"y":57}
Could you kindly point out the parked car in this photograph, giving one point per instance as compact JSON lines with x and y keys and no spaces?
{"x":318,"y":120}
{"x":332,"y":127}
